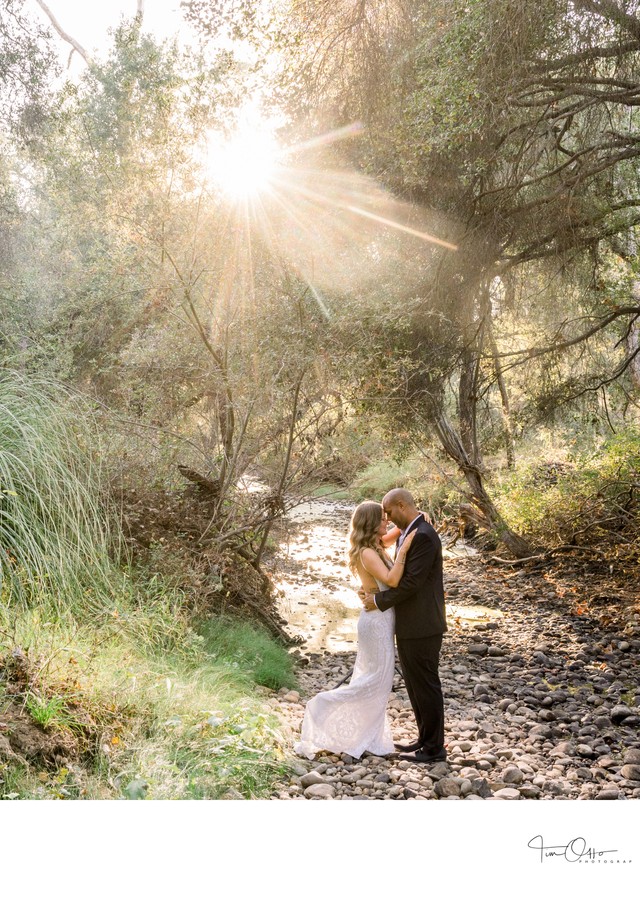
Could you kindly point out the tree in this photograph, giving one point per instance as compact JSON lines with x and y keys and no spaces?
{"x":515,"y":122}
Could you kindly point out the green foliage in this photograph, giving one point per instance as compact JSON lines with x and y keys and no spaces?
{"x":55,"y":540}
{"x":248,"y":647}
{"x":592,"y":499}
{"x":48,"y":712}
{"x":377,"y":479}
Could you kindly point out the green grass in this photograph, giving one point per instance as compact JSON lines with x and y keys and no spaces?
{"x":48,"y":712}
{"x":55,"y":541}
{"x":175,"y":713}
{"x":250,"y":649}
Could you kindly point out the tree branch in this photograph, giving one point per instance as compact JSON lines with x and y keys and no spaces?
{"x":64,"y":34}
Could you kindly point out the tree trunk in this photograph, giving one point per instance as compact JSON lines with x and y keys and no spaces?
{"x":633,"y":352}
{"x":509,"y":442}
{"x":482,"y":511}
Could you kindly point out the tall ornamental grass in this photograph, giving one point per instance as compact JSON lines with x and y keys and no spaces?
{"x":54,"y":535}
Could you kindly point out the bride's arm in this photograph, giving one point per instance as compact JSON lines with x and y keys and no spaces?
{"x":372,"y":563}
{"x":391,"y":537}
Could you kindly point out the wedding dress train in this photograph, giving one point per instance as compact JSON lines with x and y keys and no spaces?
{"x":353,"y":718}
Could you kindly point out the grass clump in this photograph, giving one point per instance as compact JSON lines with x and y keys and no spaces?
{"x":55,"y":540}
{"x":250,"y":649}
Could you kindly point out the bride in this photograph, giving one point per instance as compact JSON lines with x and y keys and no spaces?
{"x":352,"y":719}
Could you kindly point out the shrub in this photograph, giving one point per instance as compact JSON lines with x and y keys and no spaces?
{"x":591,"y":499}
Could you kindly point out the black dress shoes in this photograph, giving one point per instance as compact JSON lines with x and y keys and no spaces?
{"x":423,"y":757}
{"x":407,"y":746}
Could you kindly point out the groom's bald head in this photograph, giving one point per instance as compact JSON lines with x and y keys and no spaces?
{"x":400,"y":507}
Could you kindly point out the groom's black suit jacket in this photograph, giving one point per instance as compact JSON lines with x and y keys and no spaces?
{"x":419,"y":597}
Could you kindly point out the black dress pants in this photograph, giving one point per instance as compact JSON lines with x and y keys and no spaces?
{"x":419,"y":661}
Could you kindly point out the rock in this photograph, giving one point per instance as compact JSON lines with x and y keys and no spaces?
{"x":513,"y":775}
{"x":477,"y":648}
{"x":540,"y":730}
{"x":609,"y":793}
{"x":496,"y":652}
{"x":446,"y":787}
{"x":632,"y":756}
{"x":292,"y":697}
{"x":320,"y":790}
{"x":620,"y":713}
{"x":232,"y":795}
{"x":313,"y":778}
{"x":481,"y":788}
{"x":508,"y":794}
{"x":631,"y":771}
{"x":439,"y":770}
{"x":528,"y":790}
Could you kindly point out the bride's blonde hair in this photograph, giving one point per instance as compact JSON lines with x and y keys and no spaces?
{"x":363,"y":532}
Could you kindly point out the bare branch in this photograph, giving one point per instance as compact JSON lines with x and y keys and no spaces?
{"x":64,"y":34}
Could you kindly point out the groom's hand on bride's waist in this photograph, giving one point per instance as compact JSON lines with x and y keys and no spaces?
{"x":368,"y":600}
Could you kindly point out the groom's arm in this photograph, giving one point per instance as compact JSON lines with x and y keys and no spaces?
{"x":420,"y":559}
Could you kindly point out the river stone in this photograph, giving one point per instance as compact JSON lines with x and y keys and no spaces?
{"x":513,"y":775}
{"x":609,"y":793}
{"x":320,"y":790}
{"x":481,"y":788}
{"x":620,"y":712}
{"x":313,"y":778}
{"x":477,"y":648}
{"x":507,"y":794}
{"x":540,"y":730}
{"x":446,"y":787}
{"x":631,"y":771}
{"x":292,"y":697}
{"x":632,"y":756}
{"x":528,"y":790}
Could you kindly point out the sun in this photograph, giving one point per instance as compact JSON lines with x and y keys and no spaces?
{"x":243,"y":165}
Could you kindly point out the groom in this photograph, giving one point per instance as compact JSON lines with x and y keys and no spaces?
{"x":420,"y":623}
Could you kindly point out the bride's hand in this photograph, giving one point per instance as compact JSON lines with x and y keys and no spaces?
{"x":406,"y":545}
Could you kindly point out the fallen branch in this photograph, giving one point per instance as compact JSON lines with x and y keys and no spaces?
{"x":515,"y":561}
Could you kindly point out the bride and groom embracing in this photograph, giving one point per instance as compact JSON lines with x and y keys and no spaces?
{"x":405,"y":596}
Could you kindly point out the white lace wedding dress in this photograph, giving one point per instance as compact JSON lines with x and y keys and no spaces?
{"x":353,"y":718}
